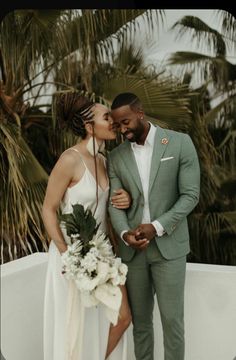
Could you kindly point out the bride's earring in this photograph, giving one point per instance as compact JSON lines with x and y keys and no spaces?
{"x":102,"y":146}
{"x":90,"y":145}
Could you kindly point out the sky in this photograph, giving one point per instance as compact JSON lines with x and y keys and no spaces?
{"x":165,"y":43}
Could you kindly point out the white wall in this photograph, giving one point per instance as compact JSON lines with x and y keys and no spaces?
{"x":210,"y":311}
{"x":22,"y":292}
{"x":210,"y":315}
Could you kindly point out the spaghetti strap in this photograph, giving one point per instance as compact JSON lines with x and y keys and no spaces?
{"x":81,"y":157}
{"x":103,"y":159}
{"x":74,"y":150}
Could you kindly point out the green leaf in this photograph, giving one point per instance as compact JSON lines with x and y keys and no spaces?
{"x":80,"y":221}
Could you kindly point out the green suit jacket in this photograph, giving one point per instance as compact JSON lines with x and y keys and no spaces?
{"x":174,"y":187}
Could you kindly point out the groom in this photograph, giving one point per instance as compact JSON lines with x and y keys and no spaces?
{"x":160,"y":170}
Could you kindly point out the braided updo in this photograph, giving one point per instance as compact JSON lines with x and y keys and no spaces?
{"x":73,"y":111}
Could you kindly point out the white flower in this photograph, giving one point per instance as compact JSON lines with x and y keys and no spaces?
{"x":93,"y":267}
{"x":103,"y":272}
{"x":89,"y":262}
{"x":94,"y":251}
{"x":113,"y":271}
{"x":123,"y":268}
{"x":98,"y":273}
{"x":85,"y":283}
{"x":102,"y":244}
{"x":75,"y":237}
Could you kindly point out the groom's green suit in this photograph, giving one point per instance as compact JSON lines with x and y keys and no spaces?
{"x":174,"y":185}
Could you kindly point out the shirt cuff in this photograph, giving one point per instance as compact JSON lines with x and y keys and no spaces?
{"x":159,"y":228}
{"x":121,"y":235}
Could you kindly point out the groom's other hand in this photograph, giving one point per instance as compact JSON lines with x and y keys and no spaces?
{"x":131,"y":240}
{"x":121,"y":199}
{"x":146,"y":231}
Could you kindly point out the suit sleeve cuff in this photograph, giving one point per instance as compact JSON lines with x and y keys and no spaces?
{"x":121,"y":235}
{"x":159,"y":228}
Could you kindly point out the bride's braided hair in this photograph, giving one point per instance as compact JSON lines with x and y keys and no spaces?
{"x":73,"y":111}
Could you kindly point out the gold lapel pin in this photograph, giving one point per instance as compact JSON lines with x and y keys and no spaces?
{"x":164,"y":141}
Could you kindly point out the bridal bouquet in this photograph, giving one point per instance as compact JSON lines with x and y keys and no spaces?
{"x":90,"y":262}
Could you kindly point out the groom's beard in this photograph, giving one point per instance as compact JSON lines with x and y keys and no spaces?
{"x":130,"y":135}
{"x":134,"y":135}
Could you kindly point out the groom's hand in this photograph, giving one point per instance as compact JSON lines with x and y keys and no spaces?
{"x":146,"y":231}
{"x":130,"y":238}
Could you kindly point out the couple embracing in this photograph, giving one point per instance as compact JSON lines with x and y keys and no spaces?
{"x":148,"y":185}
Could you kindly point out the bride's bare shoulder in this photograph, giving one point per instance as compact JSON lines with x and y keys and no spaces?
{"x":68,"y":159}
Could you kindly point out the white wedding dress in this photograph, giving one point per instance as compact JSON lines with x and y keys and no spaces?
{"x":72,"y":331}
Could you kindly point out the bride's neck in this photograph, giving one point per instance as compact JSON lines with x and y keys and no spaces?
{"x":83,"y":146}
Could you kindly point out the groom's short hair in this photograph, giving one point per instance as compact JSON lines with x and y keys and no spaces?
{"x":126,"y":98}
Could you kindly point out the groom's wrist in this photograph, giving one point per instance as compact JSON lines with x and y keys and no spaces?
{"x":158,"y":227}
{"x":122,"y":237}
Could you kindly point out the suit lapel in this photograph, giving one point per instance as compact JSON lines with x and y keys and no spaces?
{"x":160,"y":144}
{"x":129,"y":161}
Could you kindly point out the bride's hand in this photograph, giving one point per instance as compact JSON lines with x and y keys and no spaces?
{"x":121,"y":199}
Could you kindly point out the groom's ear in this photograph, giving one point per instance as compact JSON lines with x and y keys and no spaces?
{"x":140,"y":113}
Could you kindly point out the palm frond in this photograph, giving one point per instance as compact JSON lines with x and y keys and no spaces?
{"x":163,"y":99}
{"x":218,"y":231}
{"x":224,"y":106}
{"x":217,"y":68}
{"x":129,"y":59}
{"x":22,"y":191}
{"x":96,"y":33}
{"x":227,"y":151}
{"x":25,"y":38}
{"x":228,"y":28}
{"x":185,"y":57}
{"x":203,"y":33}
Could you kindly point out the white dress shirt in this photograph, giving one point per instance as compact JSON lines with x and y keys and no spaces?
{"x":143,"y":156}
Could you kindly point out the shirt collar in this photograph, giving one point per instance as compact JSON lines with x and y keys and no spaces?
{"x":149,"y":139}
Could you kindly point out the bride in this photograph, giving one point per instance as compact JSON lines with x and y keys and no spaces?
{"x":71,"y":331}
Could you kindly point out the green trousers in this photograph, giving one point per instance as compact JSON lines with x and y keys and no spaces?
{"x":149,"y":274}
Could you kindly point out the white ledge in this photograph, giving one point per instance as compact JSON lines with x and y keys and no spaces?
{"x":210,"y":311}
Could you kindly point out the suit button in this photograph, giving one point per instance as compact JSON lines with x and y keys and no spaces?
{"x":173,"y":227}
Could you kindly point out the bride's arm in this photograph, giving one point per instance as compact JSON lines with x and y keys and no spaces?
{"x":121,"y":199}
{"x":58,"y":182}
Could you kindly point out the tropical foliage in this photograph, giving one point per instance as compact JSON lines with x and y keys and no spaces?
{"x":93,"y":52}
{"x":38,"y":48}
{"x":213,"y":223}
